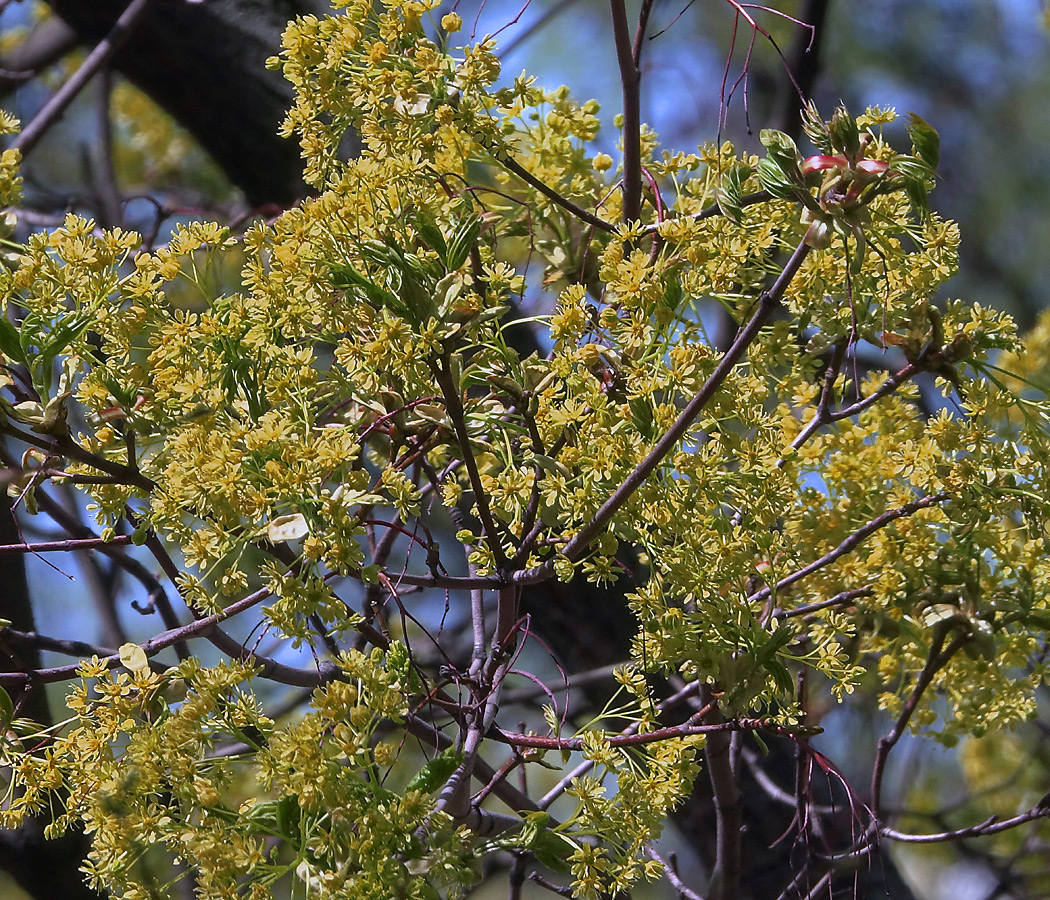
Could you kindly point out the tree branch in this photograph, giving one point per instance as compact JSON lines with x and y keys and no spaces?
{"x":725,"y":878}
{"x":205,"y":627}
{"x":991,"y":825}
{"x":96,"y":59}
{"x":630,"y":81}
{"x":937,"y":660}
{"x":767,"y":303}
{"x":850,"y":543}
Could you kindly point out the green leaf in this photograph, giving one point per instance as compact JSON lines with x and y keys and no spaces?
{"x":288,"y":816}
{"x":432,"y":236}
{"x":816,"y":129}
{"x":763,"y":747}
{"x":916,"y":192}
{"x":912,"y":167}
{"x":781,"y":675}
{"x":925,"y":141}
{"x":784,"y":152}
{"x":672,"y":297}
{"x":346,"y":277}
{"x":436,"y":772}
{"x":845,"y":136}
{"x":772,"y":178}
{"x":10,"y":346}
{"x":552,"y":850}
{"x":52,"y":344}
{"x":461,"y":241}
{"x":7,"y":709}
{"x":730,"y":186}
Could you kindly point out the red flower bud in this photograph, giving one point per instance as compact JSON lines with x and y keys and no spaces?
{"x":822,"y":163}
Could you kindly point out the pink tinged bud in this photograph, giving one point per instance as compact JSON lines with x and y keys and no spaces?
{"x":867,"y":171}
{"x":873,"y":167}
{"x":823,"y":163}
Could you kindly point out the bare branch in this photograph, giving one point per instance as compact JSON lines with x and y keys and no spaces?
{"x":991,"y":825}
{"x":630,"y":81}
{"x":96,"y":59}
{"x":938,"y":658}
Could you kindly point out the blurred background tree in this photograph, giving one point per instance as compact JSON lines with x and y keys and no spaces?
{"x":180,"y":121}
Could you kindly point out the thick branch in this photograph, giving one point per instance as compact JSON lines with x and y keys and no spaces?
{"x":177,"y":50}
{"x":725,"y":880}
{"x":630,"y":81}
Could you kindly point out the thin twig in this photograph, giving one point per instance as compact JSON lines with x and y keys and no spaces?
{"x":991,"y":825}
{"x":671,"y":874}
{"x":504,"y":158}
{"x":826,"y":416}
{"x":66,"y":446}
{"x":271,"y":669}
{"x":105,"y":169}
{"x":559,"y":889}
{"x":841,"y":599}
{"x":637,"y":740}
{"x":710,"y":212}
{"x":850,"y":543}
{"x":95,"y":543}
{"x":576,"y":680}
{"x":454,"y":406}
{"x":639,"y":33}
{"x":683,"y":693}
{"x":937,"y":659}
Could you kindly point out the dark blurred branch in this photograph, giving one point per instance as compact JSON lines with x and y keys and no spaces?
{"x":804,"y":63}
{"x":44,"y":869}
{"x":43,"y":46}
{"x":96,"y":59}
{"x":104,"y":167}
{"x":204,"y":63}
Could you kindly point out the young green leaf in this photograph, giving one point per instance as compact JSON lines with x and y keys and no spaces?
{"x":436,"y":772}
{"x":925,"y":140}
